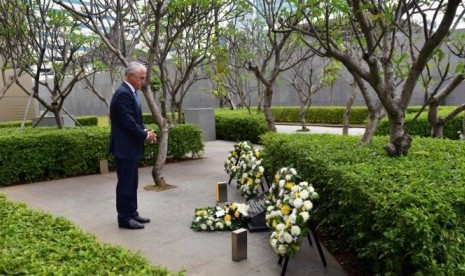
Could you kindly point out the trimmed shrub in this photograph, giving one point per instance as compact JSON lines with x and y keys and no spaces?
{"x":185,"y":140}
{"x":319,"y":115}
{"x":35,"y":243}
{"x":83,"y":120}
{"x":87,"y":120}
{"x":49,"y":153}
{"x":403,"y":215}
{"x":421,"y":126}
{"x":239,"y":126}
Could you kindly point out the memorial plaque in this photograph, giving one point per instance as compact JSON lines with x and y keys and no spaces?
{"x":256,"y":221}
{"x":221,"y":192}
{"x":239,"y":245}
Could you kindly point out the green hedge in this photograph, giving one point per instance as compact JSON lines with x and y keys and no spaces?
{"x":49,"y":153}
{"x":83,"y":120}
{"x":35,"y":243}
{"x":421,"y":126}
{"x":185,"y":140}
{"x":319,"y":115}
{"x":239,"y":126}
{"x":403,"y":216}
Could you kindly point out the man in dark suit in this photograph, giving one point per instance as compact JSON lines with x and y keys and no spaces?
{"x":127,"y":144}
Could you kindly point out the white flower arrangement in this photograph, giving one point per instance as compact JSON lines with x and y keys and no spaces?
{"x":230,"y":165}
{"x":251,"y":177}
{"x":287,"y":211}
{"x":227,"y":217}
{"x":244,"y":164}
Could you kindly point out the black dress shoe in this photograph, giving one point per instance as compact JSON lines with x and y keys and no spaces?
{"x":130,"y":224}
{"x":141,"y":219}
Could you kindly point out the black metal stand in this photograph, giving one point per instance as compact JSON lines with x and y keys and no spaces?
{"x":286,"y":261}
{"x":318,"y":245}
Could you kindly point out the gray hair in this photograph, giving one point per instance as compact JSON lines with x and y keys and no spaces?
{"x":133,"y":67}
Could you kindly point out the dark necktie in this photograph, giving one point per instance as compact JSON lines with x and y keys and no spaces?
{"x":137,"y":98}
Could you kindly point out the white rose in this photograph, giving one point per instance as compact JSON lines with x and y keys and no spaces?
{"x":303,"y":183}
{"x":295,"y":189}
{"x":270,"y":208}
{"x":308,"y":205}
{"x":287,"y":237}
{"x":219,"y":225}
{"x":282,"y":249}
{"x":304,"y":194}
{"x":311,"y":189}
{"x":295,"y":230}
{"x":274,"y":243}
{"x":203,"y":226}
{"x":261,"y":169}
{"x":293,"y":171}
{"x":258,"y":181}
{"x":280,"y":227}
{"x":209,"y":222}
{"x":245,"y":175}
{"x":228,"y":223}
{"x":197,"y":219}
{"x":288,"y":177}
{"x":281,"y":183}
{"x":292,"y":218}
{"x":305,"y":216}
{"x":298,"y":203}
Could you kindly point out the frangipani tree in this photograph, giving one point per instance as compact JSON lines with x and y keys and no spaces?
{"x":377,"y":29}
{"x":47,"y":40}
{"x":155,"y":26}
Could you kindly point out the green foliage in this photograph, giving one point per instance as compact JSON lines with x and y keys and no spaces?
{"x":319,"y":115}
{"x":184,"y":141}
{"x":49,"y":153}
{"x":421,"y":126}
{"x":83,"y":120}
{"x":239,"y":126}
{"x":402,"y":215}
{"x":88,"y":120}
{"x":35,"y":243}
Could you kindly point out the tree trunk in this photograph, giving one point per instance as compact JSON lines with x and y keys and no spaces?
{"x":373,"y":121}
{"x":56,"y":113}
{"x":302,"y":112}
{"x":162,"y":140}
{"x":400,"y":142}
{"x":437,"y":125}
{"x":463,"y":125}
{"x":348,"y":110}
{"x":267,"y":110}
{"x":161,"y":157}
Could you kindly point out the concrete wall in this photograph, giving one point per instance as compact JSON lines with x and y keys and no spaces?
{"x":83,"y":102}
{"x":13,"y":104}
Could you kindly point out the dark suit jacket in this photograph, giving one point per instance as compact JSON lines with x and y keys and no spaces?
{"x":127,"y":130}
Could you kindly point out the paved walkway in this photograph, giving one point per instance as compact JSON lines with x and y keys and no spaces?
{"x":89,"y":201}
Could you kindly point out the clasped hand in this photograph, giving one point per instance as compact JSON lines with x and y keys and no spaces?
{"x":152,"y":136}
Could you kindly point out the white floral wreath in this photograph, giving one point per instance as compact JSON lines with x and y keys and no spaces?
{"x":287,"y":211}
{"x":252,"y":173}
{"x":244,"y":164}
{"x":231,"y":165}
{"x":217,"y":218}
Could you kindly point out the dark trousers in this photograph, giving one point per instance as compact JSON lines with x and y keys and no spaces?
{"x":126,"y":188}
